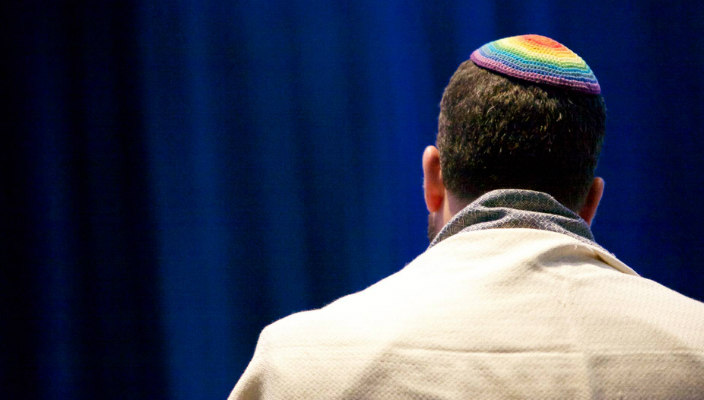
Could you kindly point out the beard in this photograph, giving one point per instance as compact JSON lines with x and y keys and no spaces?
{"x":432,"y":228}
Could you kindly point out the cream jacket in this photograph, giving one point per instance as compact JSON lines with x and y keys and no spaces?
{"x":491,"y":314}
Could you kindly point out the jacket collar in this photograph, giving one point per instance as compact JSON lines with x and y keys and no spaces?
{"x":518,"y":208}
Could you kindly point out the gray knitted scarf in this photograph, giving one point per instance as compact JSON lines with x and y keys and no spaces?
{"x":513,"y":208}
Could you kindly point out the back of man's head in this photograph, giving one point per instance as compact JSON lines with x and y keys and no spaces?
{"x":498,"y":131}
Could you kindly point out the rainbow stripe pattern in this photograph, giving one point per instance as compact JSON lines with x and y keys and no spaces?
{"x":537,"y":59}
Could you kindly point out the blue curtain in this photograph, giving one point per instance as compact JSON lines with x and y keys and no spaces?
{"x":178,"y":174}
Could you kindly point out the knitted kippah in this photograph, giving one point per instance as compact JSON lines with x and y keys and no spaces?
{"x":537,"y":59}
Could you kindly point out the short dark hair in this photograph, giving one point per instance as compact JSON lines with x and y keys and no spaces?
{"x":499,"y":132}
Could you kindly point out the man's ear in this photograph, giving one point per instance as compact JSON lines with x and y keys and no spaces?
{"x":433,"y":188}
{"x":588,"y":210}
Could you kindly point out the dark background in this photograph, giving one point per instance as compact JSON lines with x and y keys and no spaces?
{"x":178,"y":174}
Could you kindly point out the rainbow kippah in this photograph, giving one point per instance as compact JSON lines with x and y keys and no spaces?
{"x":537,"y":59}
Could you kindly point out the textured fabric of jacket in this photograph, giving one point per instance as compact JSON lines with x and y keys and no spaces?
{"x":502,"y":312}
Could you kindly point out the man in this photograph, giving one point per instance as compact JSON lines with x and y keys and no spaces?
{"x":513,"y":298}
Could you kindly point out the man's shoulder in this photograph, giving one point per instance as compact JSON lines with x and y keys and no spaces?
{"x":465,"y":304}
{"x":476,"y":271}
{"x":354,"y":317}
